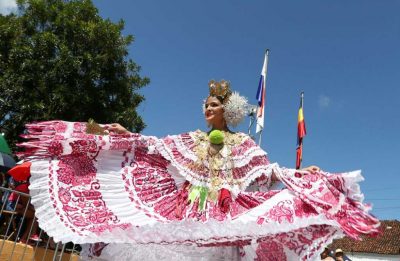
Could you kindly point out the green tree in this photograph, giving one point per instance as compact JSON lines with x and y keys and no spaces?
{"x":60,"y":60}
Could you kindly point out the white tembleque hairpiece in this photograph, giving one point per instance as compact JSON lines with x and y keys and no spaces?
{"x":236,"y":109}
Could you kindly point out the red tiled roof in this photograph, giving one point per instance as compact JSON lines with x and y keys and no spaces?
{"x":386,"y":243}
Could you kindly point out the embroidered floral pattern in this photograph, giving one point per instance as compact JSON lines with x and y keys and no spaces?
{"x":302,"y":209}
{"x":55,"y":148}
{"x":83,"y":208}
{"x":282,"y":212}
{"x":304,"y":242}
{"x":270,"y":251}
{"x":75,"y":171}
{"x":146,"y":167}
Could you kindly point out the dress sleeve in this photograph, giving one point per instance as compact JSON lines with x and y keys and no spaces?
{"x":52,"y":139}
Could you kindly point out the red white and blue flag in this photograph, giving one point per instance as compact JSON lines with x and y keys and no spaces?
{"x":261,"y":95}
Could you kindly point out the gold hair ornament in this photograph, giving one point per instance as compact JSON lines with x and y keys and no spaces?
{"x":220,"y":89}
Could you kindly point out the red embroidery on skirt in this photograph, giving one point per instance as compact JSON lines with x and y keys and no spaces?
{"x":281,"y":212}
{"x":83,"y":207}
{"x":270,"y":251}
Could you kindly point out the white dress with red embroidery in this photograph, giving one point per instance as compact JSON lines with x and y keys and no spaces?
{"x":150,"y":198}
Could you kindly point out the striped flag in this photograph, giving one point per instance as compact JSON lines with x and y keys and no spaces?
{"x":301,"y":132}
{"x":261,"y":95}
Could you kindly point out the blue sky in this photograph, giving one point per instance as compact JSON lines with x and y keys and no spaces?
{"x":345,"y":56}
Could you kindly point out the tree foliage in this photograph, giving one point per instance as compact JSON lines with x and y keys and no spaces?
{"x":60,"y":60}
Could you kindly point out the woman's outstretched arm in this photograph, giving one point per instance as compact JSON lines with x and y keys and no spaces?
{"x":116,"y":128}
{"x":311,"y":169}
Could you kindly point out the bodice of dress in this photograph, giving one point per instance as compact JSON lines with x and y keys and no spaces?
{"x":234,"y":166}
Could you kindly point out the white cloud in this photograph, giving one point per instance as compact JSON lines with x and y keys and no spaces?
{"x":324,"y":101}
{"x":7,"y":6}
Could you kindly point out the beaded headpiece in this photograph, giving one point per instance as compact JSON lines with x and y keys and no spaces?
{"x":220,"y":89}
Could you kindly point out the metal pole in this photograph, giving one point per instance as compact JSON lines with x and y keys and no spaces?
{"x":252,"y":112}
{"x":251,"y":123}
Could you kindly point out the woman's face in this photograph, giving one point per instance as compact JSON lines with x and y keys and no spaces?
{"x":214,"y":112}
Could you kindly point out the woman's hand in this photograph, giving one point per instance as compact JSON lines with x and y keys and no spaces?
{"x":116,"y":128}
{"x":312,"y":169}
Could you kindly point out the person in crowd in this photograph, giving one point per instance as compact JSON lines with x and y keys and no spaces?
{"x":325,"y":255}
{"x":19,"y":201}
{"x":339,"y":255}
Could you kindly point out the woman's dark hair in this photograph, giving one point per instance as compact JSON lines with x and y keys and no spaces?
{"x":220,"y":98}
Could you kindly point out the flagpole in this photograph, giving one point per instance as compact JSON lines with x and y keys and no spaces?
{"x":252,"y":115}
{"x":302,"y":98}
{"x":250,"y":124}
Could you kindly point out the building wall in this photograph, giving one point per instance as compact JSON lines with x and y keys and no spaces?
{"x":372,"y":257}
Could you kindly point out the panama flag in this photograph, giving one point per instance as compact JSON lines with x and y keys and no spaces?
{"x":261,"y":95}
